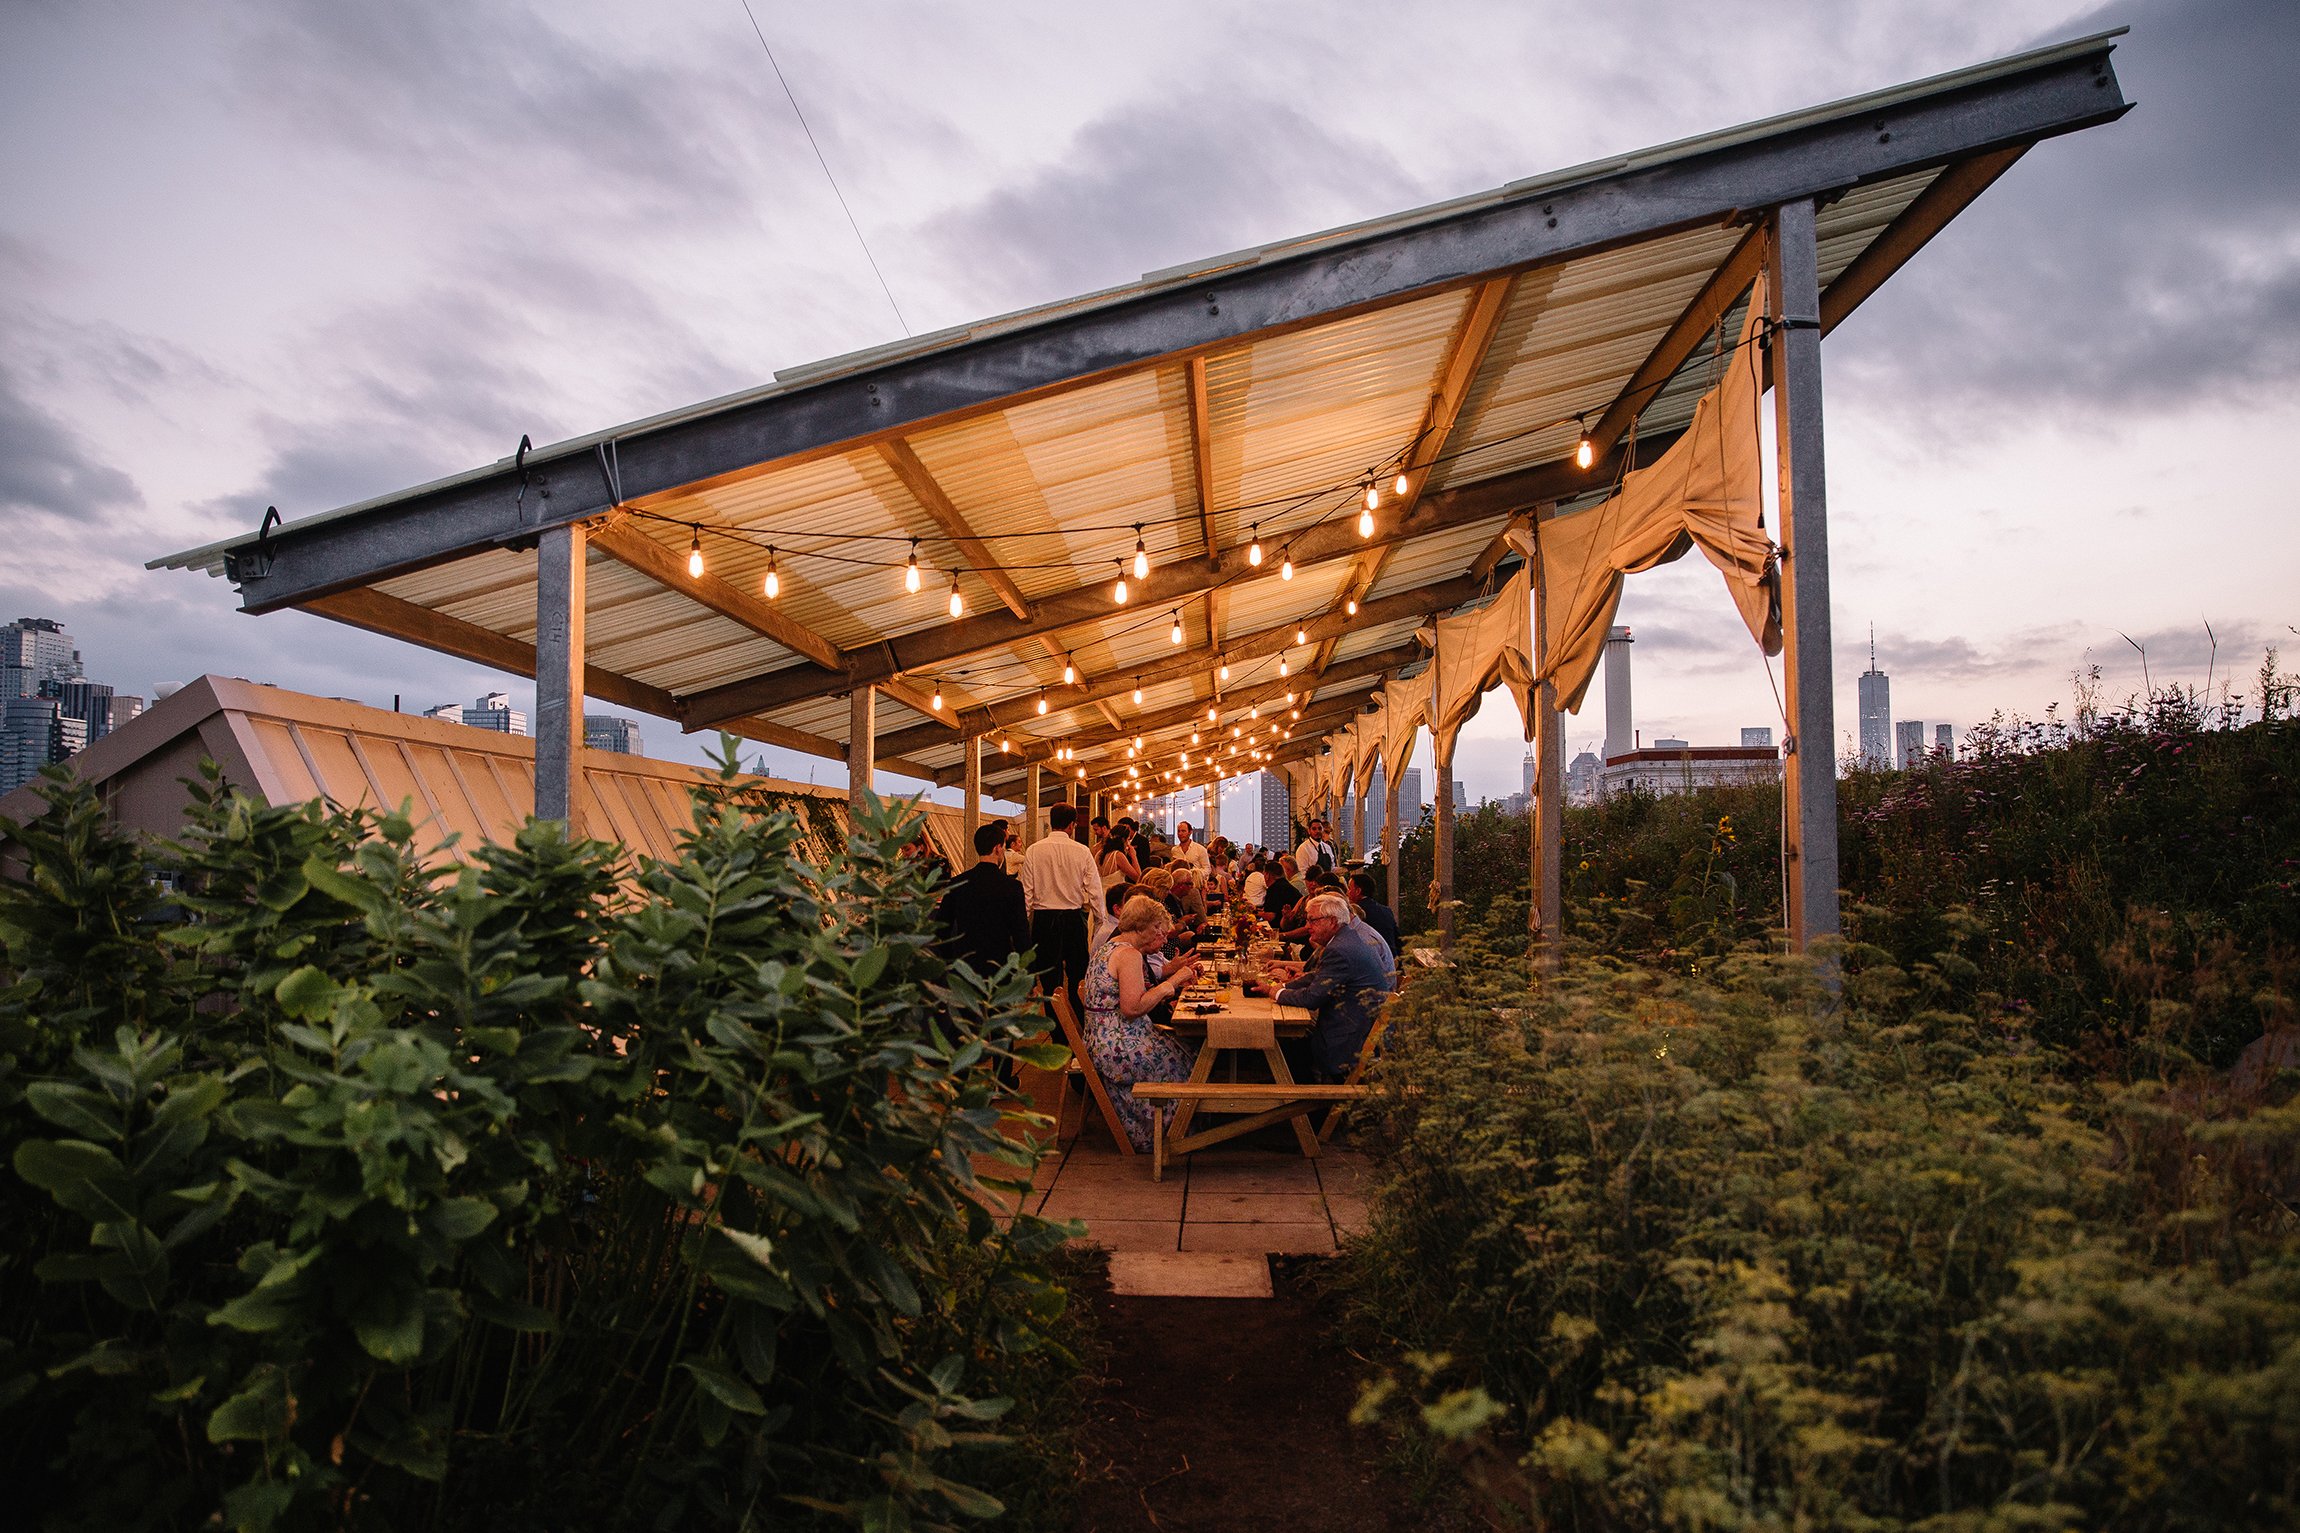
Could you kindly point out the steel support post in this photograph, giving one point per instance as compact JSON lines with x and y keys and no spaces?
{"x":1441,"y":882}
{"x":559,"y":570}
{"x":862,"y":729}
{"x":1547,"y":811}
{"x":1809,"y":770}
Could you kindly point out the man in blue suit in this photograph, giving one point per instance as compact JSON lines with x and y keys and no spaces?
{"x":1353,"y":975}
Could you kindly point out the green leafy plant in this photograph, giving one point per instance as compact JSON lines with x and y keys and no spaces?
{"x":531,"y":1190}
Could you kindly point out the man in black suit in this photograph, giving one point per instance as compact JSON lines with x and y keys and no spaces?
{"x":1374,"y":913}
{"x":981,"y":914}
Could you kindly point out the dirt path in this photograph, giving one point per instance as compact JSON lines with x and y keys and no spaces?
{"x":1228,"y":1414}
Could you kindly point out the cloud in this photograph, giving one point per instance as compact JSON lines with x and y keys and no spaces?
{"x":2149,"y":263}
{"x":47,"y":468}
{"x":1158,"y":183}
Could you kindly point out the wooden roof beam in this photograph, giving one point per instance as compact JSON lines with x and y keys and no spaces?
{"x":1445,"y":511}
{"x":899,"y":456}
{"x":623,"y":542}
{"x":1950,"y":193}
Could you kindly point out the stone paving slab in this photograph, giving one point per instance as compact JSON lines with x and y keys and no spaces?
{"x":1303,"y":1239}
{"x":1253,"y":1208}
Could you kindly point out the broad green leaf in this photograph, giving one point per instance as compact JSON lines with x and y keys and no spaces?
{"x":870,"y":966}
{"x":85,"y":1178}
{"x":460,"y":1218}
{"x":75,"y":1108}
{"x":724,"y":1386}
{"x":306,"y":993}
{"x":258,"y":1413}
{"x":392,"y":1328}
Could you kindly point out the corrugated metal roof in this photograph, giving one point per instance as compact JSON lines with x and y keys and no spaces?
{"x":1054,"y":484}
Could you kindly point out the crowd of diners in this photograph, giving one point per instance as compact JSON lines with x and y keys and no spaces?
{"x":1112,"y":914}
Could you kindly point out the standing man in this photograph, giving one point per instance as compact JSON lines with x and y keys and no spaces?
{"x":983,"y":916}
{"x":1314,"y":852}
{"x":1187,"y":848}
{"x":1064,"y":891}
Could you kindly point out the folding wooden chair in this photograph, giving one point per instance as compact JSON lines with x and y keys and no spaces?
{"x":1357,"y":1075}
{"x":1075,"y":1036}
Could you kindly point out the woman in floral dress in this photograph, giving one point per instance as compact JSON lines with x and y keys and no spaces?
{"x":1119,"y":997}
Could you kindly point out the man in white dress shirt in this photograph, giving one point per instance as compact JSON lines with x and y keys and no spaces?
{"x":1063,"y":889}
{"x":1315,"y":851}
{"x":1189,"y":849}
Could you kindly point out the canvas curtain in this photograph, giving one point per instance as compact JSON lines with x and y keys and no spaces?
{"x":1405,"y":705}
{"x":1492,"y":646}
{"x":1702,"y":493}
{"x":1373,"y":735}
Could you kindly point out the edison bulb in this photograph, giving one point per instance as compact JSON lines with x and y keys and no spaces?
{"x":1286,"y":570}
{"x":957,"y":602}
{"x":1586,"y":453}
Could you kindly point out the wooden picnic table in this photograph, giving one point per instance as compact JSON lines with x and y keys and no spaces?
{"x":1289,"y":1021}
{"x":1245,"y":1025}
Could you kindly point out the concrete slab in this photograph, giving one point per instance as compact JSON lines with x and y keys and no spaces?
{"x":1307,"y":1239}
{"x":1253,"y":1207}
{"x":1349,"y":1214}
{"x":1247,"y":1181}
{"x":1190,"y":1275}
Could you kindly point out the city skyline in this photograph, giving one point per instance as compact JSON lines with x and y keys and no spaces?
{"x":225,"y":292}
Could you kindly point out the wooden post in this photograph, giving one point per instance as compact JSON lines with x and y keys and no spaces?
{"x":1358,"y":788}
{"x":559,"y":582}
{"x":1547,"y":812}
{"x":1809,"y":768}
{"x":1213,"y":811}
{"x":862,"y":726}
{"x":1390,"y":827}
{"x":973,"y":784}
{"x":1030,"y":805}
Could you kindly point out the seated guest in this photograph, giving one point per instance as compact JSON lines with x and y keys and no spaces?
{"x":983,"y":916}
{"x":1374,"y":913}
{"x":1120,"y":996}
{"x":1353,"y":975}
{"x":1281,"y":893}
{"x":1188,"y":900}
{"x":1257,"y":880}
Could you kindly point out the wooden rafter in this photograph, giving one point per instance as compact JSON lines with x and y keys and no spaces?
{"x":923,"y":487}
{"x":623,"y":542}
{"x":1949,"y":194}
{"x":1485,"y":501}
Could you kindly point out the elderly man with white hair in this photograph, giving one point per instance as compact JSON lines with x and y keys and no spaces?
{"x":1353,"y":975}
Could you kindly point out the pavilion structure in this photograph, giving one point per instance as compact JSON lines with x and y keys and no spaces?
{"x":1235,"y":516}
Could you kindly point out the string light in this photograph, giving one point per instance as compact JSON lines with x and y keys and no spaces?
{"x":1301,"y":635}
{"x":1351,"y":607}
{"x":774,"y":580}
{"x":1118,"y":591}
{"x":1069,"y":672}
{"x":957,"y":602}
{"x":1254,"y":549}
{"x":1176,"y":635}
{"x":935,"y":702}
{"x":695,"y":555}
{"x":1289,"y":697}
{"x":1403,"y":483}
{"x":1224,"y":672}
{"x":910,"y":570}
{"x":1193,"y":737}
{"x":1373,"y":498}
{"x":1042,"y":702}
{"x":1003,"y":746}
{"x":1286,"y":570}
{"x":1586,"y":453}
{"x":1212,"y":712}
{"x":1138,"y":691}
{"x":1137,"y":742}
{"x":1281,"y":667}
{"x":1141,"y":555}
{"x":1365,"y":523}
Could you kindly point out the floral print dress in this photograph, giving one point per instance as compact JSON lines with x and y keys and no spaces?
{"x":1127,"y":1049}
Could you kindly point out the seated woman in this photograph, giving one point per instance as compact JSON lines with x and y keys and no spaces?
{"x":1119,"y":996}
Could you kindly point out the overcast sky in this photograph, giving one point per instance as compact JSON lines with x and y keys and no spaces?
{"x":257,"y":253}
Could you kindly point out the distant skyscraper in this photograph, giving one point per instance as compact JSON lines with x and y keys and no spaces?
{"x":1945,"y":742}
{"x":1532,"y":770}
{"x":1409,"y":799}
{"x":1909,"y":743}
{"x":494,"y":711}
{"x":605,"y":732}
{"x":1876,"y":712}
{"x":1460,"y":795}
{"x":1277,"y":811}
{"x":1377,"y":806}
{"x":1581,"y":778}
{"x":1761,"y":736}
{"x":33,"y":733}
{"x":1620,"y":727}
{"x":34,"y":650}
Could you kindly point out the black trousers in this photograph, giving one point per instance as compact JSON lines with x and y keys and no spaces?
{"x":1060,"y":938}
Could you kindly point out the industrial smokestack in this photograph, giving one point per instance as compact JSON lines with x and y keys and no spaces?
{"x":1620,"y":738}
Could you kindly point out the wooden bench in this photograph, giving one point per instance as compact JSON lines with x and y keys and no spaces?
{"x":1083,"y":1063}
{"x":1262,"y":1102}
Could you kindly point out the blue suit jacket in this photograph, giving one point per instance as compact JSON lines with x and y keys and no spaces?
{"x":1353,"y":976}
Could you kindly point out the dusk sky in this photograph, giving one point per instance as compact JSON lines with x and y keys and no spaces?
{"x":258,"y":253}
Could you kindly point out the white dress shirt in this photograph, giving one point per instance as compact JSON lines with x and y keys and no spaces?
{"x":1257,"y":885}
{"x":1306,"y":855}
{"x":1059,"y":874}
{"x":1194,"y":854}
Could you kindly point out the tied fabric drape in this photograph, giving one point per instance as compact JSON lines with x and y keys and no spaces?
{"x":1490,"y":647}
{"x":1373,"y":734}
{"x":1405,"y":705}
{"x":1702,"y":493}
